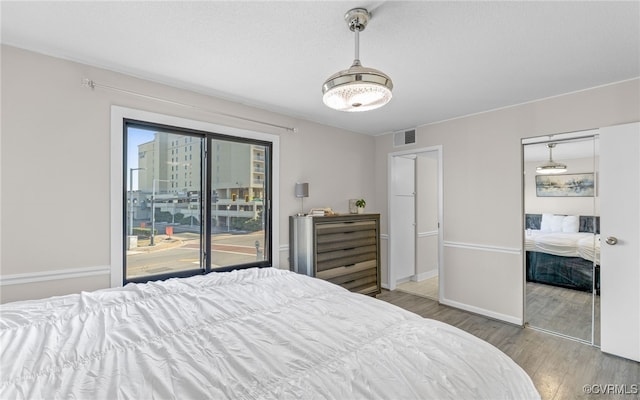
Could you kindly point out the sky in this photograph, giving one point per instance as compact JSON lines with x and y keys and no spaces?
{"x":135,"y":137}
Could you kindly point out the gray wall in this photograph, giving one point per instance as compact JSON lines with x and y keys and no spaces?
{"x":55,"y":203}
{"x":427,"y":215}
{"x":483,"y":199}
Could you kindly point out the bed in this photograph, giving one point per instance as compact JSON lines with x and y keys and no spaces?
{"x":246,"y":334}
{"x":561,"y":250}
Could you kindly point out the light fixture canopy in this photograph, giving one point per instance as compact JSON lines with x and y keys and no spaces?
{"x":357,"y":88}
{"x":551,"y":167}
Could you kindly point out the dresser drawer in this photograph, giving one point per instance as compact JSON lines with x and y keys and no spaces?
{"x":346,"y":270}
{"x":338,"y":258}
{"x":353,"y":277}
{"x":328,"y":228}
{"x":340,"y":241}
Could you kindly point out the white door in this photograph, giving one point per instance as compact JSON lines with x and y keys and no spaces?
{"x":402,"y":224}
{"x":620,"y":240}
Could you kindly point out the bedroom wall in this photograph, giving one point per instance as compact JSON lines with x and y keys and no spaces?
{"x":55,"y":164}
{"x":426,"y":216}
{"x":483,"y":200}
{"x":559,"y":205}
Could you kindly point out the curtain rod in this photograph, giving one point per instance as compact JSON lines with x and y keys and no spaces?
{"x":93,"y":84}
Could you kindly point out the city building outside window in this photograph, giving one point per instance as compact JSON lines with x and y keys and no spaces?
{"x":213,"y":220}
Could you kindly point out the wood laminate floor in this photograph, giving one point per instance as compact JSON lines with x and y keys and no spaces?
{"x":565,"y":311}
{"x":560,"y":368}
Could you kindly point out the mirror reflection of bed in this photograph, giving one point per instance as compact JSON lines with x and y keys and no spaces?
{"x":560,"y":275}
{"x":562,"y":239}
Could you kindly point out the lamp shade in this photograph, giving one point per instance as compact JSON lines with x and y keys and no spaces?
{"x":357,"y":89}
{"x":302,"y":190}
{"x":551,"y":167}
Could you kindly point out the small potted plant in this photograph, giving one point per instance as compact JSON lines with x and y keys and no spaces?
{"x":360,"y":204}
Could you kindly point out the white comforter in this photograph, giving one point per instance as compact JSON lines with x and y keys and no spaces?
{"x":251,"y":334}
{"x":578,"y":244}
{"x":589,"y":248}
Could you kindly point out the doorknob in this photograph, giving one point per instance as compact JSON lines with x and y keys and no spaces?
{"x":612,"y":240}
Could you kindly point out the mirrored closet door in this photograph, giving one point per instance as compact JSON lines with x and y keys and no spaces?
{"x":561,"y":237}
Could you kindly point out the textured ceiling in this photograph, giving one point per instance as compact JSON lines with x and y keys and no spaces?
{"x":446,"y":59}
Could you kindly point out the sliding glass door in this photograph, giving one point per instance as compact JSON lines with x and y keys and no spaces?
{"x":195,"y":202}
{"x":239,"y":189}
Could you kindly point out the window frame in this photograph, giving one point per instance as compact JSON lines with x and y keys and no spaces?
{"x":119,"y":117}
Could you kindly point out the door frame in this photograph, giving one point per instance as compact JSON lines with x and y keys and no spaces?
{"x":390,"y":212}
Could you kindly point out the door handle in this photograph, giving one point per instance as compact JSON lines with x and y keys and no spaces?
{"x":612,"y":240}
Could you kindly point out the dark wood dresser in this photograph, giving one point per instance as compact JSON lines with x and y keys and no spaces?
{"x":343,"y":249}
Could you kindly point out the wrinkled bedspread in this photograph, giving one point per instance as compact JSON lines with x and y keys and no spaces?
{"x":581,"y":244}
{"x":247,"y":334}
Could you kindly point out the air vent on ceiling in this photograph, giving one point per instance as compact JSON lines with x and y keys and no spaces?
{"x":404,"y":138}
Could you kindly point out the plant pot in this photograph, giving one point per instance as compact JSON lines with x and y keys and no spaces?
{"x":360,"y":210}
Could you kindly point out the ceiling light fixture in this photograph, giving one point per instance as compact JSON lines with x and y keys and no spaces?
{"x":551,"y":167}
{"x":357,"y":88}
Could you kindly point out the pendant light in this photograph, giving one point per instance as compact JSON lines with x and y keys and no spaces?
{"x":357,"y":88}
{"x":551,"y":167}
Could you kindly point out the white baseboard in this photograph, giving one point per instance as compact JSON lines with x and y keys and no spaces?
{"x":31,"y":277}
{"x":481,"y":311}
{"x":425,"y":275}
{"x":404,"y":280}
